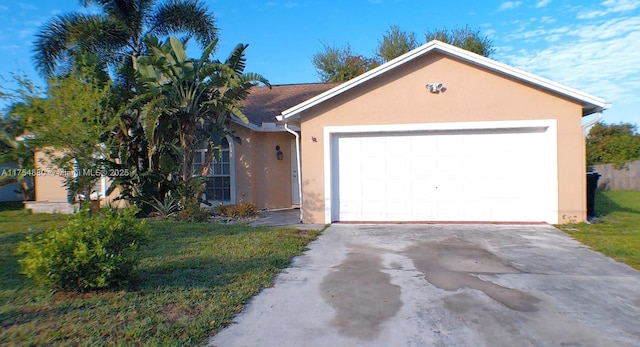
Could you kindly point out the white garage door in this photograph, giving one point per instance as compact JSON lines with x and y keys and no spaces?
{"x":445,"y":175}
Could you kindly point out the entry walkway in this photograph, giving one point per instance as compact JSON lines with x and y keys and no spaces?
{"x":285,"y":217}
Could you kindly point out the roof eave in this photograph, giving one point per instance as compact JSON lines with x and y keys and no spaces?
{"x":278,"y":128}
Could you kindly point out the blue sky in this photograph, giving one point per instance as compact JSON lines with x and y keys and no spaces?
{"x":593,"y":46}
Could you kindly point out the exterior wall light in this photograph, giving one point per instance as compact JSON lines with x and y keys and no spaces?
{"x":436,"y":88}
{"x":279,"y":154}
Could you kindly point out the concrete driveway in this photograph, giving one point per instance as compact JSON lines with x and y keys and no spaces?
{"x":444,"y":285}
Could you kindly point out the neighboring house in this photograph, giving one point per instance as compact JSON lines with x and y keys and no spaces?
{"x":437,"y":134}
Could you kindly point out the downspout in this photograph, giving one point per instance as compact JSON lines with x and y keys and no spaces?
{"x":591,"y":123}
{"x":286,"y":127}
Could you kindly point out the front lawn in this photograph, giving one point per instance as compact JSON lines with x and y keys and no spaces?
{"x":192,"y":279}
{"x":618,"y":233}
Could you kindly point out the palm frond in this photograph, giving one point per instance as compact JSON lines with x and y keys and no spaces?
{"x":184,"y":16}
{"x":255,"y":78}
{"x":131,"y":12}
{"x":51,"y":42}
{"x":69,"y":34}
{"x":208,"y":51}
{"x":152,"y":113}
{"x":237,"y":60}
{"x":235,"y":110}
{"x":177,"y":49}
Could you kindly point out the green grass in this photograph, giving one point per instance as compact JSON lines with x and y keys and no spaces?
{"x":618,"y":233}
{"x":192,"y":279}
{"x":11,"y":205}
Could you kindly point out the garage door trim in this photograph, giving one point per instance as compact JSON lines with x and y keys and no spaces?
{"x":549,"y":148}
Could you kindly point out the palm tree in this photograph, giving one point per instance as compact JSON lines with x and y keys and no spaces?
{"x":117,"y":34}
{"x":192,"y":98}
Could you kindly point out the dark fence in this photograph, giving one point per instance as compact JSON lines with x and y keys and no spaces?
{"x":626,"y":178}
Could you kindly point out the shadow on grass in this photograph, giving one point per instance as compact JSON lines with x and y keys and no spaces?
{"x":205,"y":272}
{"x":11,"y":206}
{"x":605,"y":205}
{"x":191,"y":258}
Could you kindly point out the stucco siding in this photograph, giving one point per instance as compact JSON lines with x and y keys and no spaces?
{"x":472,"y":95}
{"x":260,"y":177}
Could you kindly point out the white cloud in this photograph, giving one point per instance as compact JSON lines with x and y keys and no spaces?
{"x":509,"y":5}
{"x":591,"y":14}
{"x":621,"y":5}
{"x":547,"y":20}
{"x":600,"y":59}
{"x":490,"y":32}
{"x":605,"y":30}
{"x":608,"y":7}
{"x":542,"y":3}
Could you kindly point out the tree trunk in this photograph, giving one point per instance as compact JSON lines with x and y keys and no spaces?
{"x":187,"y":164}
{"x":208,"y":160}
{"x":187,"y":142}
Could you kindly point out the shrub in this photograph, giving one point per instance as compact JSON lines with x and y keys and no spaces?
{"x":89,"y":253}
{"x":243,"y":210}
{"x":236,"y":211}
{"x":166,"y":209}
{"x":193,"y":214}
{"x":222,"y":210}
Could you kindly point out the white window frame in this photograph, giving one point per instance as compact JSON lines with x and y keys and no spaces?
{"x":232,"y":176}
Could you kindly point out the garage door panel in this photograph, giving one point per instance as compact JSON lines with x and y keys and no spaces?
{"x":397,"y":167}
{"x":374,"y":210}
{"x":423,"y":168}
{"x":371,"y":167}
{"x":348,"y":165}
{"x":371,"y":146}
{"x":397,"y":210}
{"x":349,"y":147}
{"x":443,"y":176}
{"x":422,"y":210}
{"x":392,"y":143}
{"x":372,"y":189}
{"x":398,"y":189}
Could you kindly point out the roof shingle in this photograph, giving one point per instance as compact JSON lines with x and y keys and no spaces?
{"x":264,"y":104}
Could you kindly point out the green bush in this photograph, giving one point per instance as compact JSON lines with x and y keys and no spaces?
{"x":222,"y":210}
{"x":242,"y":210}
{"x":166,"y":209}
{"x":89,"y":253}
{"x":236,"y":211}
{"x":193,"y":214}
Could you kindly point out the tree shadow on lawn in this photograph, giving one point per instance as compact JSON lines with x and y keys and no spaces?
{"x":206,"y":272}
{"x":605,"y":206}
{"x":189,"y":260}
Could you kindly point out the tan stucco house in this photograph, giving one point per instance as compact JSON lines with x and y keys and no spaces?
{"x":437,"y":134}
